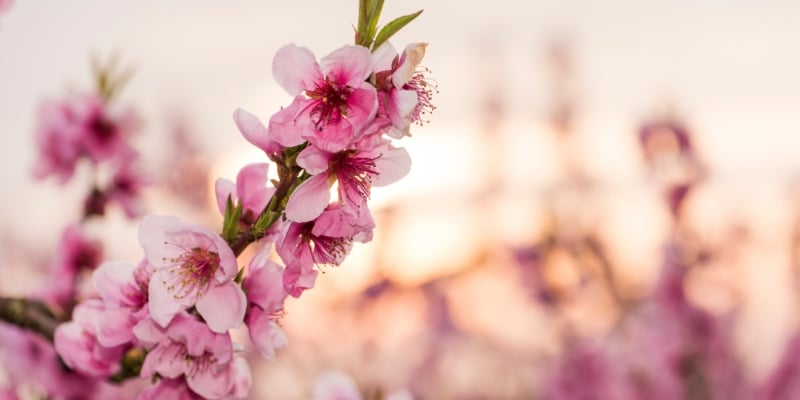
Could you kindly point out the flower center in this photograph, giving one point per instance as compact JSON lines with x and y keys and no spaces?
{"x":329,"y":104}
{"x":198,"y":364}
{"x":102,"y":128}
{"x":192,"y":272}
{"x":355,"y":176}
{"x":326,"y":249}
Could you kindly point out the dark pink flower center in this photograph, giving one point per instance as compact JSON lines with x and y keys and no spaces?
{"x":329,"y":103}
{"x":326,"y":249}
{"x":101,"y":128}
{"x":192,"y":272}
{"x":354,"y":173}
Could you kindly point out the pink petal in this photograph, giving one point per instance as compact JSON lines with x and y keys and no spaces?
{"x":263,"y":284}
{"x":152,"y":237}
{"x":115,"y":328}
{"x":300,"y":274}
{"x":394,"y":164}
{"x":254,"y":131}
{"x":224,"y":188}
{"x":412,"y":56}
{"x":296,"y":69}
{"x":309,"y":199}
{"x":211,"y":383}
{"x":114,"y":282}
{"x":265,"y":333}
{"x":314,"y":160}
{"x":242,"y":378}
{"x":167,"y":360}
{"x":251,"y":186}
{"x":223,"y":306}
{"x":348,"y":65}
{"x":334,"y":138}
{"x":162,"y":303}
{"x":286,"y":127}
{"x":335,"y":386}
{"x":383,"y":57}
{"x":401,"y":104}
{"x":148,"y":331}
{"x":362,"y":104}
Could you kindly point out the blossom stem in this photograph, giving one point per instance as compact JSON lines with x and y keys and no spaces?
{"x":289,"y":178}
{"x":32,"y":315}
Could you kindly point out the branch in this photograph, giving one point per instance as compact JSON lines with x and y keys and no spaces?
{"x":33,"y":315}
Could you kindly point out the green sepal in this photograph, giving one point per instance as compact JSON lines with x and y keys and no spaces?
{"x":239,"y":276}
{"x":263,"y":223}
{"x":230,"y":225}
{"x":374,"y":16}
{"x":290,"y":154}
{"x":393,"y":27}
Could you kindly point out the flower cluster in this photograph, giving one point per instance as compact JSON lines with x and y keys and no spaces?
{"x":169,"y":318}
{"x":86,"y":127}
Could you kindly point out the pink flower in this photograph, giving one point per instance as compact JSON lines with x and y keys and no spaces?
{"x":79,"y":126}
{"x":327,"y":240}
{"x":250,"y":189}
{"x":76,"y":342}
{"x":404,"y":91}
{"x":356,"y":171}
{"x":125,"y":189}
{"x":265,"y":294}
{"x":334,"y":385}
{"x":30,"y":361}
{"x":74,"y":253}
{"x":123,"y":290}
{"x":5,"y":5}
{"x":192,"y":267}
{"x":587,"y":371}
{"x":333,"y":101}
{"x":187,"y":349}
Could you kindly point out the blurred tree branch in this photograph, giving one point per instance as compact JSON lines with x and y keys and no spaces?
{"x":33,"y":315}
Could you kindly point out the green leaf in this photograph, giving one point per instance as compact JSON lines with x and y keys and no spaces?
{"x":363,"y":16}
{"x":393,"y":27}
{"x":372,"y":25}
{"x":230,"y":225}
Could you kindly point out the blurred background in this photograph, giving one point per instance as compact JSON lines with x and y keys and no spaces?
{"x":603,"y":205}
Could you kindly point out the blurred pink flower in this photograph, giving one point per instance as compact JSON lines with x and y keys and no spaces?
{"x":192,"y":267}
{"x":75,"y":252}
{"x":333,"y":101}
{"x":187,"y":349}
{"x":5,"y":5}
{"x":79,"y":126}
{"x":587,"y":371}
{"x":125,"y":189}
{"x":76,"y":342}
{"x":334,"y":385}
{"x":30,"y":362}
